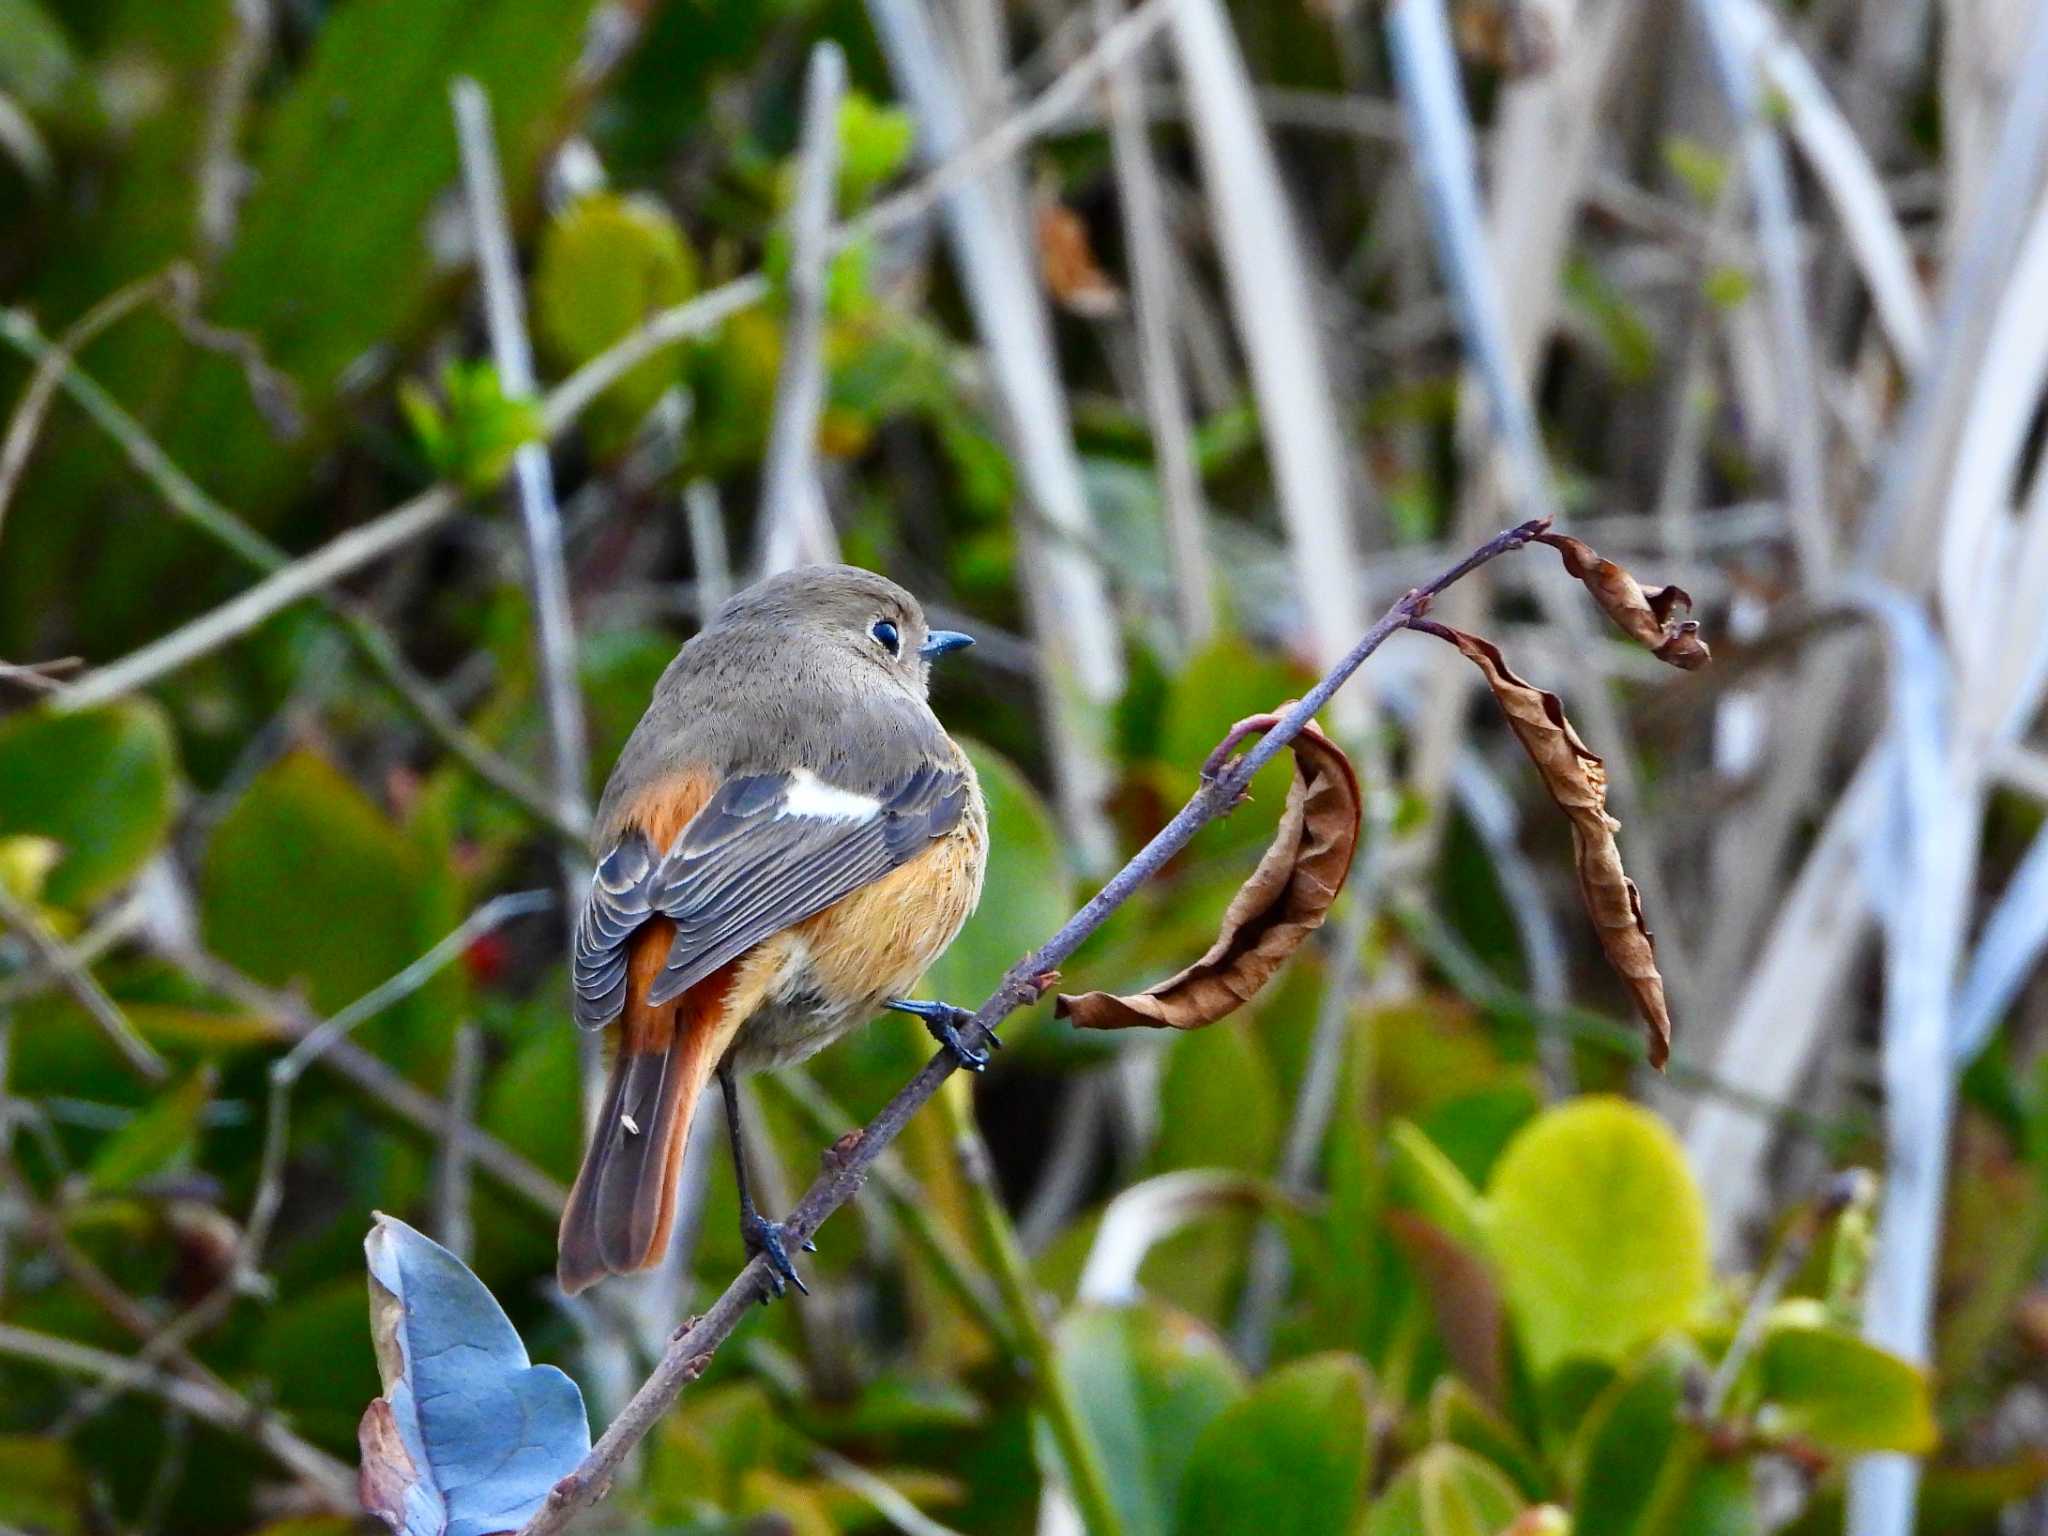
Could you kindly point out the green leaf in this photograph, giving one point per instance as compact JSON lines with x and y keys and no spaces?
{"x":41,"y":1488}
{"x":1218,"y":1105}
{"x":98,"y":783}
{"x":1641,"y":1467}
{"x":1430,"y":1182}
{"x":1149,"y":1380}
{"x":471,"y":434}
{"x":1027,"y":895}
{"x":531,"y":1103}
{"x":159,"y":1138}
{"x":1445,"y":1491}
{"x":1292,"y":1456}
{"x":1459,"y":1416}
{"x":607,"y":263}
{"x":1599,"y":1231}
{"x":306,"y":882}
{"x":874,"y":144}
{"x":1831,"y":1388}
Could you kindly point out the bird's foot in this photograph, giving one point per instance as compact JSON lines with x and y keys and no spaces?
{"x":945,"y":1021}
{"x":771,"y":1238}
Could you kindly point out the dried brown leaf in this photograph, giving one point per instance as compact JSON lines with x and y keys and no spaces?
{"x":1654,"y":616}
{"x":1068,"y":261}
{"x":1577,"y":781}
{"x":1284,"y":901}
{"x":387,"y":1473}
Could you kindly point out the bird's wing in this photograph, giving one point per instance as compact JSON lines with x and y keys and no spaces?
{"x":764,"y":851}
{"x":621,"y":899}
{"x":769,"y":850}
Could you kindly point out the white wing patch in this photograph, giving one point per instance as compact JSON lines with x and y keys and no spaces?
{"x":811,"y":797}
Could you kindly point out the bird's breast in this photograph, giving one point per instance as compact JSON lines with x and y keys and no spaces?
{"x":843,"y":963}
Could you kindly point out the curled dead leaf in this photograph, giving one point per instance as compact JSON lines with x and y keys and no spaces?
{"x":1068,"y":261}
{"x":1285,"y":900}
{"x":1576,"y":780}
{"x":1654,"y":616}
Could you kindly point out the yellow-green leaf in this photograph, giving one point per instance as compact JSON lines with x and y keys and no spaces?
{"x":1599,"y":1231}
{"x":1829,"y":1387}
{"x":606,"y":264}
{"x":1445,"y":1491}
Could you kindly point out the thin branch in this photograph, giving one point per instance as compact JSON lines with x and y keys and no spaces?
{"x":1223,"y":786}
{"x":285,"y":1073}
{"x":796,"y":529}
{"x":955,"y":1270}
{"x":1166,"y":398}
{"x":79,"y":981}
{"x":891,"y":1505}
{"x":414,"y":519}
{"x":385,"y":1087}
{"x":219,"y":1406}
{"x":27,"y":422}
{"x":1843,"y":1190}
{"x":547,"y":572}
{"x":188,"y":500}
{"x":1315,"y":1099}
{"x":451,"y":1176}
{"x":40,"y":676}
{"x":334,"y":1483}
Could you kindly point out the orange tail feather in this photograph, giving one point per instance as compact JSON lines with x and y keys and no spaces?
{"x":623,"y":1206}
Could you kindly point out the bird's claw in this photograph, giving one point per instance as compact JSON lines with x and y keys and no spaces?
{"x":945,"y":1021}
{"x":770,"y":1239}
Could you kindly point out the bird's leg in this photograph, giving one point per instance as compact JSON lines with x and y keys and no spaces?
{"x":758,"y":1233}
{"x":945,"y":1021}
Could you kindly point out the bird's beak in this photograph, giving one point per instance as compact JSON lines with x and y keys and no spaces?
{"x":941,"y":641}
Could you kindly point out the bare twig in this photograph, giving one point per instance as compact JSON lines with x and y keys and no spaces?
{"x":795,"y":527}
{"x":284,"y":1076}
{"x":1082,"y":671}
{"x":547,"y":572}
{"x":954,"y":1269}
{"x":40,"y":676}
{"x":372,"y":642}
{"x":222,"y":177}
{"x":1223,"y":786}
{"x":1166,"y":400}
{"x":384,"y":1087}
{"x":413,"y":519}
{"x":1843,"y":1190}
{"x":57,"y":957}
{"x":27,"y":421}
{"x":1269,"y":1267}
{"x":219,"y":1406}
{"x":451,"y":1176}
{"x":334,"y":1483}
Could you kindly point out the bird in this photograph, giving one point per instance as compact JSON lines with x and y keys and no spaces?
{"x":787,"y":842}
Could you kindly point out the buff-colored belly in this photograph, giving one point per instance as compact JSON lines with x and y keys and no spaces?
{"x":834,"y":970}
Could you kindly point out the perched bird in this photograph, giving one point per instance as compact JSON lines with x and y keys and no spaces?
{"x":788,"y":841}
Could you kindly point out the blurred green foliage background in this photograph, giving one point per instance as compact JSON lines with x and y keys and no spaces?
{"x":1479,"y":1298}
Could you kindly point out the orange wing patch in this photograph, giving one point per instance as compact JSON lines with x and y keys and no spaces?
{"x":665,"y":807}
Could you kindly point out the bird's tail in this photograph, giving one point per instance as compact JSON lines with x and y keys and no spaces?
{"x":623,"y":1205}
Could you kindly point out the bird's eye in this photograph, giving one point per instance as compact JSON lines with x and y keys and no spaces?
{"x":885,"y":632}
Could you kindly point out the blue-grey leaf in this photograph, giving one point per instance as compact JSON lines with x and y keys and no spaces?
{"x":469,"y":1435}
